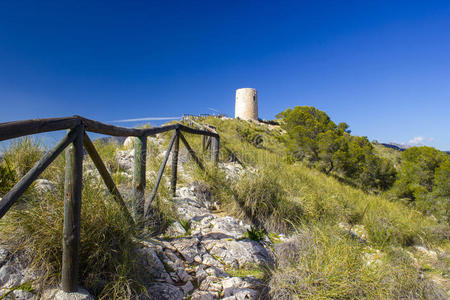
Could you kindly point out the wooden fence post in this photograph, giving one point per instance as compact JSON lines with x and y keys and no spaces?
{"x":215,"y":142}
{"x":173,"y":181}
{"x":140,"y":157}
{"x":72,"y":211}
{"x":203,"y":143}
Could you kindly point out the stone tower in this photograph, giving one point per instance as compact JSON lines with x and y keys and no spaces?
{"x":246,"y":106}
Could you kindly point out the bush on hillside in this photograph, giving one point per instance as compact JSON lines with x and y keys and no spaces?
{"x":250,"y":135}
{"x":313,"y":137}
{"x":424,"y":180}
{"x":7,"y":179}
{"x":263,"y":200}
{"x":18,"y":159}
{"x":22,"y":154}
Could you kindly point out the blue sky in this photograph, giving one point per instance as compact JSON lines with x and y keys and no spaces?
{"x":381,"y":66}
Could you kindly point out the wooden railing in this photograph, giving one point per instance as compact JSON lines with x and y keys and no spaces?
{"x":77,"y":136}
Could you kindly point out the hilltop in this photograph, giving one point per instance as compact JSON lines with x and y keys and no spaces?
{"x":260,"y":224}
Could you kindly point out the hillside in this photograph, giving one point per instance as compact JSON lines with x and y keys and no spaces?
{"x":261,"y":224}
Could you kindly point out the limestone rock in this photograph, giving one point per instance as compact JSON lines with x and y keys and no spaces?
{"x":200,"y":273}
{"x":238,"y":253}
{"x":129,"y":142}
{"x":187,"y":247}
{"x":187,"y":288}
{"x":9,"y":276}
{"x":372,"y":256}
{"x":21,"y":295}
{"x":204,"y":295}
{"x":190,"y":209}
{"x":162,"y":291}
{"x":152,"y":265}
{"x":183,"y":275}
{"x":210,"y":261}
{"x":125,"y":159}
{"x":216,"y":272}
{"x":430,"y":253}
{"x":357,"y":231}
{"x":44,"y":185}
{"x":229,"y":226}
{"x":211,"y":283}
{"x":238,"y":288}
{"x":3,"y":254}
{"x":175,"y":230}
{"x":57,"y":294}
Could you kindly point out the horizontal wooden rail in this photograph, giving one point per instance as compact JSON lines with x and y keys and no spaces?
{"x":99,"y":127}
{"x":197,"y":131}
{"x":10,"y":130}
{"x":16,"y":129}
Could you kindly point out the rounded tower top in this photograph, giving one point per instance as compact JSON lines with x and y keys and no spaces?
{"x":246,"y":104}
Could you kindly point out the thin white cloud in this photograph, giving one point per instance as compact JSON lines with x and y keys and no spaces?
{"x":213,"y":109}
{"x":147,"y":119}
{"x":420,"y":140}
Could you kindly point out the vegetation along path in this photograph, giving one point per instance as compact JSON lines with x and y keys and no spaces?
{"x":273,"y":221}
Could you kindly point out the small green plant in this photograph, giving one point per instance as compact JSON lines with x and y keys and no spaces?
{"x":255,"y":234}
{"x":186,"y":225}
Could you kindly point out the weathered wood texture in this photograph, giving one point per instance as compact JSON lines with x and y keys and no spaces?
{"x":98,"y":127}
{"x":208,"y":143}
{"x":176,"y":148}
{"x":159,"y":176}
{"x":72,"y":212}
{"x":198,"y":131}
{"x":215,"y":149}
{"x":191,"y":152}
{"x":8,"y":200}
{"x":10,"y":130}
{"x":96,"y":159}
{"x":140,"y":158}
{"x":15,"y":129}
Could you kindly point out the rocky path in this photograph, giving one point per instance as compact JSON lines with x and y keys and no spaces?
{"x":196,"y":264}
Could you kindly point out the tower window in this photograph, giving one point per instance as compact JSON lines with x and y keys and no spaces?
{"x":254,"y":98}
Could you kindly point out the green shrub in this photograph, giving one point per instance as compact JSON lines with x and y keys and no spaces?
{"x":255,"y":234}
{"x":263,"y":200}
{"x":7,"y":179}
{"x":424,"y":181}
{"x":22,"y":154}
{"x":250,"y":135}
{"x":314,"y":138}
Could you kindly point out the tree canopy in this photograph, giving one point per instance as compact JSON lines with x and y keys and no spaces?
{"x":313,"y":137}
